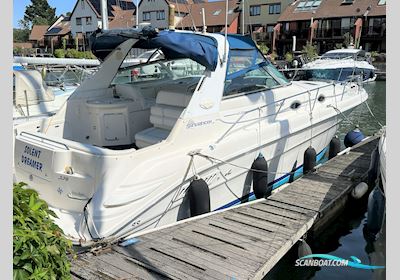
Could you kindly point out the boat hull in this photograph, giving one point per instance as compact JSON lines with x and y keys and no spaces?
{"x":173,"y":205}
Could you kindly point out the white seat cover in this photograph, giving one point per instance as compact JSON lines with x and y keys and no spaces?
{"x":163,"y":115}
{"x":150,"y":136}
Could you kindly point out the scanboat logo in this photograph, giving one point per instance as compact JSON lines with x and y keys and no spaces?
{"x":329,"y":260}
{"x":192,"y":124}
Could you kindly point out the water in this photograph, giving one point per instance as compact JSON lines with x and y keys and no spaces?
{"x":362,"y":117}
{"x":346,"y":236}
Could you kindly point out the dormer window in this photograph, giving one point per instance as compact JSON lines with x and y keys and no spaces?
{"x":347,"y":2}
{"x":216,"y":13}
{"x":308,"y":5}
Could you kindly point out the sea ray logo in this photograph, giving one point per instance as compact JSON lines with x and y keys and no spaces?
{"x":192,"y":124}
{"x":329,"y":260}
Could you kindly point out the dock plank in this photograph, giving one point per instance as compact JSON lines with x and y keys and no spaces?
{"x":218,"y":267}
{"x":133,"y":266}
{"x":162,"y":261}
{"x":243,"y":242}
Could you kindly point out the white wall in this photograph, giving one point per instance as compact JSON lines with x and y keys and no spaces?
{"x":82,"y":11}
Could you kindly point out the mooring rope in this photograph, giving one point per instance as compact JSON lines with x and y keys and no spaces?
{"x":239,"y":166}
{"x":350,"y":121}
{"x":343,"y":115}
{"x":372,"y":114}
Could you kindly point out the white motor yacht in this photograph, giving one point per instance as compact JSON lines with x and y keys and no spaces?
{"x":127,"y":155}
{"x":33,"y":99}
{"x":341,"y":65}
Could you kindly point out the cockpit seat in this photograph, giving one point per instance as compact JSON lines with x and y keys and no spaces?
{"x":163,"y":115}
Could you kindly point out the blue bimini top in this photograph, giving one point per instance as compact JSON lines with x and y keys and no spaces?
{"x":199,"y":48}
{"x":240,"y":42}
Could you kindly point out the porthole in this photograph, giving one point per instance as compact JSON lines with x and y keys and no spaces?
{"x":321,"y":98}
{"x":295,"y":105}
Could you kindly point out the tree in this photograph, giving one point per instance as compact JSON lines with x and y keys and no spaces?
{"x":20,"y":35}
{"x":310,"y":51}
{"x":39,"y":12}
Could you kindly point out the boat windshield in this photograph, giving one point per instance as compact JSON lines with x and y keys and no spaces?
{"x":334,"y":74}
{"x":341,"y":55}
{"x":158,"y":70}
{"x":248,"y":71}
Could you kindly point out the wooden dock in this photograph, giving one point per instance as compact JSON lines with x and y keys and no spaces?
{"x":243,"y":242}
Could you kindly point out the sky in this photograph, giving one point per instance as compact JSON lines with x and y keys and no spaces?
{"x":62,"y":7}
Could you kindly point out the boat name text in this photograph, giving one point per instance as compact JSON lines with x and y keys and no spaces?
{"x":31,"y":152}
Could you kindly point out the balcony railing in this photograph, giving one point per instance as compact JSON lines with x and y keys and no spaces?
{"x":374,"y":31}
{"x":300,"y":34}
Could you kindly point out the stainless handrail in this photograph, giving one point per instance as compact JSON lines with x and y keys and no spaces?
{"x":43,"y":139}
{"x":308,"y":91}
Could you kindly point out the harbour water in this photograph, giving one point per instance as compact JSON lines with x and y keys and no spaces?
{"x":346,"y":236}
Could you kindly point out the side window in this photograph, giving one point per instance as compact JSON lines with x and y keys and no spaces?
{"x":248,"y":81}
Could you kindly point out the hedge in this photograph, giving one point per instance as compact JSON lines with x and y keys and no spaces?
{"x":72,"y":53}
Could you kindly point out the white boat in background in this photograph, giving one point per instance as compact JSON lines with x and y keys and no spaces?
{"x":22,"y":60}
{"x":144,"y":57}
{"x":33,"y":99}
{"x":340,"y":65}
{"x":122,"y":157}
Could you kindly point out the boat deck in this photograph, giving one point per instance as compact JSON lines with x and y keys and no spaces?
{"x":242,"y":242}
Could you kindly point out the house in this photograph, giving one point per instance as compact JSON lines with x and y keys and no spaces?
{"x":214,"y":13}
{"x":156,"y":12}
{"x":260,"y":17}
{"x":122,"y":18}
{"x":86,"y":15}
{"x":59,"y":33}
{"x":36,"y":37}
{"x":329,"y":23}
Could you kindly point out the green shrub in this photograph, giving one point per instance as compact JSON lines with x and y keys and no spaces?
{"x":17,"y":51}
{"x":40,"y":249}
{"x":59,"y":53}
{"x":72,"y":53}
{"x":289,"y":57}
{"x":374,"y":54}
{"x":64,"y":43}
{"x":338,"y":46}
{"x":273,"y":56}
{"x":348,"y":39}
{"x":310,"y":51}
{"x":89,"y":55}
{"x":263,"y":48}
